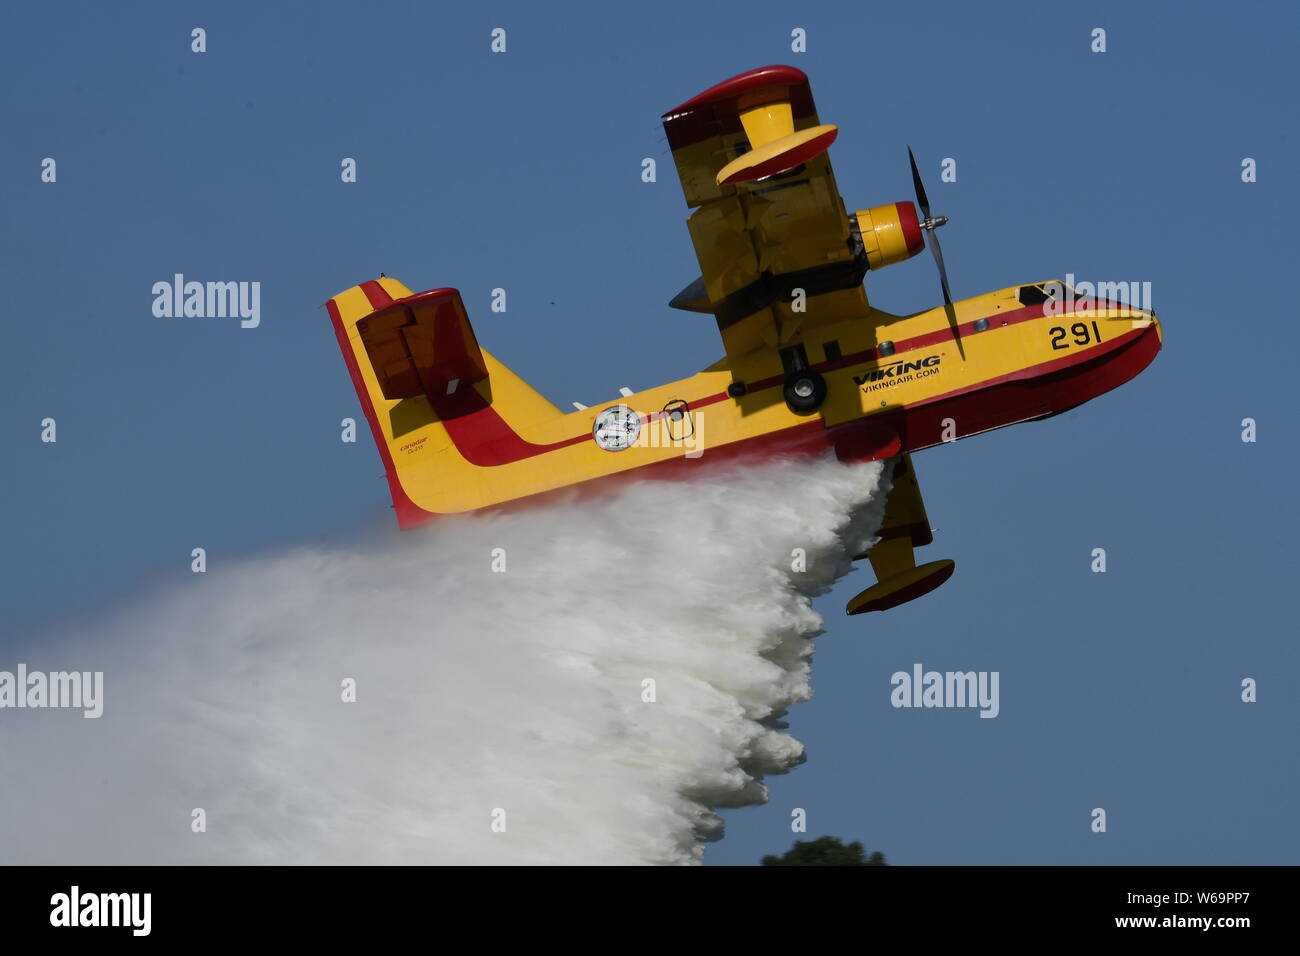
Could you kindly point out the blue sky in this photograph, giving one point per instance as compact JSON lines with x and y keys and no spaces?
{"x":521,"y":170}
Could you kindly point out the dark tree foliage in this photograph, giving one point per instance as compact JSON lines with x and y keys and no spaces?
{"x":826,"y":851}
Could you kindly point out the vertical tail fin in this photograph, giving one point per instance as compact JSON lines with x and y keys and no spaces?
{"x":432,"y":397}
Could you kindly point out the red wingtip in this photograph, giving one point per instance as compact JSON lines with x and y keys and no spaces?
{"x":777,"y":78}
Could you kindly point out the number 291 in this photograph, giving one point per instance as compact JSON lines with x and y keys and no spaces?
{"x":1081,"y":333}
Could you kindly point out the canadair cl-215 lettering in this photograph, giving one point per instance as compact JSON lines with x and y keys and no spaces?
{"x":810,"y":365}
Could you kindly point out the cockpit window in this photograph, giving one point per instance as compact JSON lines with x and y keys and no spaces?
{"x":1031,"y":295}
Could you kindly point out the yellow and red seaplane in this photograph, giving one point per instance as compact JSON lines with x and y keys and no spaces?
{"x":810,"y":365}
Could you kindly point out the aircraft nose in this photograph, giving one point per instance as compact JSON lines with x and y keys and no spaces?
{"x":1148,"y":320}
{"x":1160,"y":332}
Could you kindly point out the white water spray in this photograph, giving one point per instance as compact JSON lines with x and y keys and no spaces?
{"x":592,"y":703}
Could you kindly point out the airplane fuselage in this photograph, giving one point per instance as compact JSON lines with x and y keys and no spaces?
{"x":894,"y":384}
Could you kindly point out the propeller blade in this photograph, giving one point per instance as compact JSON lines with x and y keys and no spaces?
{"x":938,"y":261}
{"x":947,"y":295}
{"x":921,"y":199}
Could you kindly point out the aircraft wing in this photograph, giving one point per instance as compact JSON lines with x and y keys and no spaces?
{"x":768,"y":219}
{"x":905,"y":528}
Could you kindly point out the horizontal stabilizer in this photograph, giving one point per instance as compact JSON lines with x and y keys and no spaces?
{"x":423,"y":345}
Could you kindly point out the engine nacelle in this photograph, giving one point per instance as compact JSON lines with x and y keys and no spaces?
{"x":890,"y":233}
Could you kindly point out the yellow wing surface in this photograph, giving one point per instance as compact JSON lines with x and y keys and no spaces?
{"x":776,"y":249}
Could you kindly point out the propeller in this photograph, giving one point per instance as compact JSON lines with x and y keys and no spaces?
{"x":930,"y":224}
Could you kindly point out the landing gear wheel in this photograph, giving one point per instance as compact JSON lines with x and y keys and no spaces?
{"x":805,"y":391}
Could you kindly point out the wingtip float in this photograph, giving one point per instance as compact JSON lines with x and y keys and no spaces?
{"x":809,"y":363}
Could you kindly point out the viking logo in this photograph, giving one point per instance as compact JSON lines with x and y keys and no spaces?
{"x":896,"y":370}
